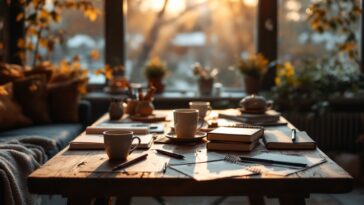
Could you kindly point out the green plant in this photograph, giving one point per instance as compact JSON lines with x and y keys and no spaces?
{"x":309,"y":84}
{"x":155,"y":68}
{"x":254,"y":65}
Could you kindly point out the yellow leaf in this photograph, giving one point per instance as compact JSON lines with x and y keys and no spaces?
{"x":43,"y":42}
{"x":94,"y":55}
{"x":21,"y":43}
{"x":3,"y":91}
{"x":20,"y":16}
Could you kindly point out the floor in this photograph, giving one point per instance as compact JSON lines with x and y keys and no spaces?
{"x":356,"y":197}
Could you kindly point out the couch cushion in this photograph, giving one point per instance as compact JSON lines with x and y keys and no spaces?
{"x":61,"y":133}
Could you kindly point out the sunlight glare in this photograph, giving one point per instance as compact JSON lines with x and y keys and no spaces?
{"x":174,"y":6}
{"x":251,"y":3}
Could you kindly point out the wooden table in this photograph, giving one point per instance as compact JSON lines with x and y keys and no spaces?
{"x":61,"y":175}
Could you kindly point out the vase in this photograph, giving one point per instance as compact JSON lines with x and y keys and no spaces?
{"x":252,"y":84}
{"x":157,"y":83}
{"x":144,"y":108}
{"x":205,"y":86}
{"x":116,"y":110}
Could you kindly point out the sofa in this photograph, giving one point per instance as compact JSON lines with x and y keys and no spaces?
{"x":60,"y":133}
{"x":40,"y":113}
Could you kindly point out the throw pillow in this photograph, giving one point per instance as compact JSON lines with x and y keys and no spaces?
{"x":45,"y":68}
{"x":11,"y":115}
{"x":31,"y":94}
{"x":63,"y":100}
{"x":10,"y":72}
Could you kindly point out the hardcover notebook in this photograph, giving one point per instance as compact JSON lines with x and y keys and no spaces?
{"x":91,"y":141}
{"x":99,"y":129}
{"x":234,"y":134}
{"x":231,"y":146}
{"x":278,"y":139}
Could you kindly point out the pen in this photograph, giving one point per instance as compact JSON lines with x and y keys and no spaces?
{"x":250,"y":159}
{"x":293,"y":135}
{"x":170,"y":154}
{"x":131,"y":162}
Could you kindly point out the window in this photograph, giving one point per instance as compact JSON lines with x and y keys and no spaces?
{"x":78,"y":37}
{"x":212,"y":32}
{"x":296,"y":38}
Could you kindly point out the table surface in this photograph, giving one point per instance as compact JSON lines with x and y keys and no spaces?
{"x":62,"y":175}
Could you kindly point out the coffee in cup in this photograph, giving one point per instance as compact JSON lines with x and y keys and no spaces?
{"x":118,"y":144}
{"x":185,"y":122}
{"x":203,"y":108}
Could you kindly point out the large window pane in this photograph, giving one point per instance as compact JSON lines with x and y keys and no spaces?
{"x":212,"y":32}
{"x":79,"y":37}
{"x":296,"y":38}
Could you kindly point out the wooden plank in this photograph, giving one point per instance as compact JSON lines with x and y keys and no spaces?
{"x":61,"y":175}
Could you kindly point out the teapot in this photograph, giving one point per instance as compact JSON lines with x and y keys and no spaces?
{"x":255,"y":103}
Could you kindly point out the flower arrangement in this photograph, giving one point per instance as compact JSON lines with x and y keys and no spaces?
{"x":308,"y":85}
{"x":155,"y":68}
{"x":204,"y":73}
{"x":254,"y":65}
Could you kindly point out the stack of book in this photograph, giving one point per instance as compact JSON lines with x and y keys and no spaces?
{"x":234,"y":139}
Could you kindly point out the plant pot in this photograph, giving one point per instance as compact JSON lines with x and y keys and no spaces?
{"x":144,"y":108}
{"x":252,"y":84}
{"x":205,"y":86}
{"x":157,"y":83}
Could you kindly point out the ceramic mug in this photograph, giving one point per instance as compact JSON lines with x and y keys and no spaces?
{"x":185,"y":122}
{"x":118,"y":144}
{"x":203,"y":108}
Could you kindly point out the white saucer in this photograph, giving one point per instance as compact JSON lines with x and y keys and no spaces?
{"x":198,"y":137}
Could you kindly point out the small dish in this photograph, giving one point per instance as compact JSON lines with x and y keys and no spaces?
{"x":260,"y":111}
{"x":199,"y":136}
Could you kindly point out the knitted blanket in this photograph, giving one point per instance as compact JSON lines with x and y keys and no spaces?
{"x":18,"y":159}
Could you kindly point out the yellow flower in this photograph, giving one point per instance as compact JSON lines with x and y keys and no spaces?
{"x":277,"y":81}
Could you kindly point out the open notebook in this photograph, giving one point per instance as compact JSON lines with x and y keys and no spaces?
{"x":94,"y":141}
{"x":281,"y":139}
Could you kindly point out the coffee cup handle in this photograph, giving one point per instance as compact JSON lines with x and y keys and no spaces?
{"x":135,"y":146}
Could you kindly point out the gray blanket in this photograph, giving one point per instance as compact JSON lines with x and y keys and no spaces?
{"x":19,"y":158}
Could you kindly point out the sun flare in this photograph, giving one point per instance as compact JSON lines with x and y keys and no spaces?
{"x":173,"y":6}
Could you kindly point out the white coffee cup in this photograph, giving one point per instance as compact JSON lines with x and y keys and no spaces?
{"x":118,"y":144}
{"x":185,"y":122}
{"x":203,"y":108}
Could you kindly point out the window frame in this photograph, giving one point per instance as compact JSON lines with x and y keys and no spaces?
{"x":115,"y":23}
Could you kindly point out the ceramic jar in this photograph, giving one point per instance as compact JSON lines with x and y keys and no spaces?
{"x":116,"y":110}
{"x":144,"y":108}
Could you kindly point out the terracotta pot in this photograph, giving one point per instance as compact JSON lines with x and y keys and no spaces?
{"x":252,"y":84}
{"x":144,"y":108}
{"x":157,"y":83}
{"x":205,"y":86}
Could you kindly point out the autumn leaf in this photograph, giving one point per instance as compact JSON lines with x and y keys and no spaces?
{"x":21,"y":43}
{"x":95,"y":55}
{"x":20,"y":16}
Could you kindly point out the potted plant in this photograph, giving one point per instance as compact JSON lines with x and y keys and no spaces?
{"x":252,"y":68}
{"x":116,"y":81}
{"x":206,"y":78}
{"x":155,"y":70}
